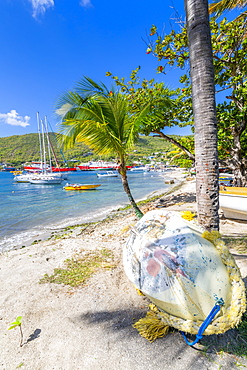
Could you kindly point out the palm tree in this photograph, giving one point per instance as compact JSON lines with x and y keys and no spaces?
{"x":100,"y":118}
{"x":219,"y":6}
{"x":203,"y":99}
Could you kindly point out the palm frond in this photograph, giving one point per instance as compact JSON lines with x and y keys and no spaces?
{"x":69,"y":102}
{"x":218,"y":7}
{"x":94,"y":134}
{"x":135,"y":124}
{"x":103,"y":122}
{"x":86,"y":86}
{"x":63,"y":110}
{"x":95,"y":123}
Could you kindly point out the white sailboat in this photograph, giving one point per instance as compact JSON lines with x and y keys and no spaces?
{"x":23,"y":177}
{"x":46,"y":177}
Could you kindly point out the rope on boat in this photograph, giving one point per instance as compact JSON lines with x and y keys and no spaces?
{"x":205,"y":323}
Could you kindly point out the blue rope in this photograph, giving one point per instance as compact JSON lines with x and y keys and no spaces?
{"x":205,"y":323}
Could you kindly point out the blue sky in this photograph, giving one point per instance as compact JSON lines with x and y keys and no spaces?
{"x":48,"y":45}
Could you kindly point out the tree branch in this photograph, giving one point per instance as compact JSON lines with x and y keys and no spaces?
{"x":173,"y":141}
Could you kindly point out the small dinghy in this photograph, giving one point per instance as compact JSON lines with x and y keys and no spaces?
{"x":184,"y":272}
{"x":80,"y":186}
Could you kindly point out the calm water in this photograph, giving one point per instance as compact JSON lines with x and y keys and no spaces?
{"x":29,"y":211}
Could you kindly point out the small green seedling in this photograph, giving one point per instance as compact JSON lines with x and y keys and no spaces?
{"x":16,"y":323}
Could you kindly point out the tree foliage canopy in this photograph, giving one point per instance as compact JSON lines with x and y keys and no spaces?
{"x":229,"y":43}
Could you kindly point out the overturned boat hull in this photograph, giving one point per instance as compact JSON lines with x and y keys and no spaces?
{"x":168,"y":259}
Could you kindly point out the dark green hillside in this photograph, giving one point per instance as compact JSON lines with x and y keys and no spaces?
{"x":148,"y":144}
{"x":19,"y":149}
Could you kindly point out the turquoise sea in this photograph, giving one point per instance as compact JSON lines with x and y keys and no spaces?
{"x":31,"y":212}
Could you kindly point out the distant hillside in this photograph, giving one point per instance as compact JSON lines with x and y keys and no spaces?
{"x":19,"y":149}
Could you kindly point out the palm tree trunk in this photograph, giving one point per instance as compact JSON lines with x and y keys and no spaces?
{"x":203,"y":98}
{"x":125,"y":183}
{"x":123,"y":172}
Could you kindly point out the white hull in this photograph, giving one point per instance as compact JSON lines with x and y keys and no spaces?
{"x":23,"y":177}
{"x":45,"y":182}
{"x":39,"y":178}
{"x":108,"y":174}
{"x":234,"y":206}
{"x":46,"y":179}
{"x":140,"y":169}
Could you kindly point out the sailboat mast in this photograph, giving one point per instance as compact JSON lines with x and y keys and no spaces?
{"x":40,"y":143}
{"x":43,"y":143}
{"x":48,"y":143}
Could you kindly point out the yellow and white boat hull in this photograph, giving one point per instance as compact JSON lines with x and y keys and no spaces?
{"x":233,"y":202}
{"x":80,"y":186}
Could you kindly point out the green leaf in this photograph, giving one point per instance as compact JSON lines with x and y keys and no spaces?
{"x":17,"y":322}
{"x":13,"y":326}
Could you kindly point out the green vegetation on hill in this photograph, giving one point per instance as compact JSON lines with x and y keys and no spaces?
{"x":20,"y":149}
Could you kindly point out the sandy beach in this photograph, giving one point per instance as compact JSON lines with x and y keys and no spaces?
{"x":90,"y":326}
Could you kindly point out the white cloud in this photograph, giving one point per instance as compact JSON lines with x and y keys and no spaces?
{"x":14,"y":119}
{"x":86,"y":3}
{"x":40,"y":6}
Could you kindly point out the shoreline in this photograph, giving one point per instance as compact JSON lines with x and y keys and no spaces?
{"x":90,"y":327}
{"x":26,"y":238}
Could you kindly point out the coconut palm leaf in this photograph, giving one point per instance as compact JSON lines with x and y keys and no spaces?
{"x":100,"y":116}
{"x":86,"y":86}
{"x":218,"y":7}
